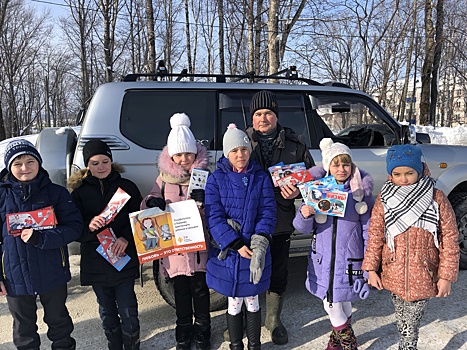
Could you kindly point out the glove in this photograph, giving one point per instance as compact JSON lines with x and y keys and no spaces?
{"x":259,"y":245}
{"x":156,"y":202}
{"x":198,"y":195}
{"x":236,"y":226}
{"x":362,"y":288}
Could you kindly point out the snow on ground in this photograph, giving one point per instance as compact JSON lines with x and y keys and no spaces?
{"x":444,"y":135}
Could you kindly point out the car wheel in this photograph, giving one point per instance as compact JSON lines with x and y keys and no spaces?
{"x":166,"y":289}
{"x":459,"y":203}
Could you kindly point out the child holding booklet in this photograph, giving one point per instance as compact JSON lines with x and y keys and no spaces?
{"x":179,"y":157}
{"x":35,"y":263}
{"x":413,"y":239}
{"x":92,"y":188}
{"x":241,"y":216}
{"x":338,"y":244}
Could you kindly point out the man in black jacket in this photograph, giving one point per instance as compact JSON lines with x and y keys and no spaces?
{"x":272,"y":144}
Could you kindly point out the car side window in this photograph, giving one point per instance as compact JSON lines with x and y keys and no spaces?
{"x":146,"y":114}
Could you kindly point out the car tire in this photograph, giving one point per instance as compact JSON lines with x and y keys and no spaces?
{"x":166,"y":289}
{"x":459,"y":204}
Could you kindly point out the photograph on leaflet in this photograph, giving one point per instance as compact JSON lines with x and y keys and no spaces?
{"x":41,"y":219}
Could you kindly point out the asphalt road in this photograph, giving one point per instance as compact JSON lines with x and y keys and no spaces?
{"x":444,"y":326}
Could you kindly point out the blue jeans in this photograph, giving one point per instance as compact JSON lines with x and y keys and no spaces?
{"x":118,"y":307}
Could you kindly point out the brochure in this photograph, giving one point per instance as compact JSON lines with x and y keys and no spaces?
{"x":116,"y":203}
{"x":289,"y":174}
{"x":325,"y":195}
{"x":157,"y":233}
{"x":107,"y":238}
{"x":198,"y":180}
{"x":41,"y":219}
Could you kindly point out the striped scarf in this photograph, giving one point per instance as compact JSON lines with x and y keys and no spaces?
{"x":406,"y":206}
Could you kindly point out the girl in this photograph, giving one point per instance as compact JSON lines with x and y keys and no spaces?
{"x":93,"y":187}
{"x":334,"y":263}
{"x":188,"y":270}
{"x":241,"y":216}
{"x":413,"y":238}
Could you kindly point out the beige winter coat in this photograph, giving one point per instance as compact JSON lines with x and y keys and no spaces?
{"x":413,"y":269}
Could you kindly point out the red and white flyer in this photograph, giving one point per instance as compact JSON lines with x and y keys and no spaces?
{"x":41,"y":219}
{"x":116,"y":203}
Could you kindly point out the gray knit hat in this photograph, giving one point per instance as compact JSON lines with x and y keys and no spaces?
{"x":234,"y":138}
{"x":263,"y":100}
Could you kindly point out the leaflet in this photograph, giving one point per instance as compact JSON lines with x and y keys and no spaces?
{"x":197,"y":181}
{"x":289,"y":174}
{"x":41,"y":219}
{"x":116,"y":203}
{"x":107,"y":239}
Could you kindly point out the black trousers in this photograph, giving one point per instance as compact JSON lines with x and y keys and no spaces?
{"x":191,"y":292}
{"x":280,"y":246}
{"x":23,"y":308}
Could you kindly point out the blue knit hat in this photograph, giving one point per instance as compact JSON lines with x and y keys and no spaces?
{"x":18,"y":148}
{"x":404,"y":155}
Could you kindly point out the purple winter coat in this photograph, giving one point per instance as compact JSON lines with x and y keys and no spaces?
{"x":182,"y":263}
{"x":337,"y":246}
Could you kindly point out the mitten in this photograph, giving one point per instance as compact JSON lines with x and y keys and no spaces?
{"x":156,"y":202}
{"x":259,"y":245}
{"x":361,"y":288}
{"x":198,"y":195}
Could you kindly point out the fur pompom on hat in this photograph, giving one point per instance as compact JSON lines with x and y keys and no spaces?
{"x":181,"y":139}
{"x":95,"y":147}
{"x":234,"y":138}
{"x":18,"y":148}
{"x":263,"y":100}
{"x":404,"y":155}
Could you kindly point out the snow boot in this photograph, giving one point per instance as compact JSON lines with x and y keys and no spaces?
{"x":273,"y":323}
{"x":346,"y":337}
{"x":202,"y":334}
{"x":334,"y":343}
{"x":235,"y":327}
{"x":131,"y":341}
{"x":184,"y":336}
{"x":253,"y":330}
{"x":114,"y":339}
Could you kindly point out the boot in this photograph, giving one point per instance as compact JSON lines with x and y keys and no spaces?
{"x":253,"y":330}
{"x":114,"y":339}
{"x":226,"y":332}
{"x":273,"y":323}
{"x":202,"y":334}
{"x":184,"y":336}
{"x":235,"y":327}
{"x":131,"y":341}
{"x":334,"y":343}
{"x":346,"y":337}
{"x":71,"y":345}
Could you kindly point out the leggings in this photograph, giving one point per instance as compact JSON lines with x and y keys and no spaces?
{"x":339,"y":312}
{"x":235,"y":304}
{"x":408,"y":317}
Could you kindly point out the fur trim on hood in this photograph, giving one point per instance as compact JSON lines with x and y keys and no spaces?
{"x":76,"y":179}
{"x":167,"y":166}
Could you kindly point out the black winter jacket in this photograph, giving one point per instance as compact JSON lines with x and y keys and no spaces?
{"x":91,"y":195}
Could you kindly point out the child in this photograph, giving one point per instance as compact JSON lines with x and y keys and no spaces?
{"x":412,"y":224}
{"x":338,"y":243}
{"x":241,"y":216}
{"x":187,"y":270}
{"x":93,"y":187}
{"x":35,"y":263}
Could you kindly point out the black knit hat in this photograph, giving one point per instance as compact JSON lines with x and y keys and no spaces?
{"x":93,"y":147}
{"x":18,"y":148}
{"x":263,"y":100}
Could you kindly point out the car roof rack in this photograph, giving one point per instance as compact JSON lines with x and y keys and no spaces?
{"x":290,"y":75}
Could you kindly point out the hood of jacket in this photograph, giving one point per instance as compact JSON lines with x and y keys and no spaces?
{"x":76,"y":179}
{"x":167,"y":165}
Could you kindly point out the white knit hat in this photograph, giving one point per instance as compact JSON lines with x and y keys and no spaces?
{"x":181,"y":139}
{"x":329,"y":150}
{"x":234,"y":138}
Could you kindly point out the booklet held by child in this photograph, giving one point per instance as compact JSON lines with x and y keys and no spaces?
{"x":197,"y":181}
{"x":41,"y":219}
{"x":289,"y":174}
{"x":157,"y":233}
{"x":116,"y":203}
{"x":107,"y":239}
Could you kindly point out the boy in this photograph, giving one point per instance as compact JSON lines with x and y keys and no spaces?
{"x":35,"y":263}
{"x":413,"y":238}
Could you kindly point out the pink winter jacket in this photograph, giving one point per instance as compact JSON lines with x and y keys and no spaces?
{"x":413,"y":269}
{"x":183,"y":263}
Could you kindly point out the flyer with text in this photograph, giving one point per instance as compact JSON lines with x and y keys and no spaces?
{"x":107,"y":238}
{"x":41,"y":219}
{"x":157,"y":233}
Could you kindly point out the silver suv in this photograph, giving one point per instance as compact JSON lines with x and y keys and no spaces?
{"x":132,"y":116}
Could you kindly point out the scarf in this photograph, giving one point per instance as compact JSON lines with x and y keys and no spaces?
{"x":266,"y":143}
{"x":406,"y":206}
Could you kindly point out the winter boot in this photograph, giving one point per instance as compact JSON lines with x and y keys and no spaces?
{"x":66,"y":344}
{"x":131,"y":341}
{"x":202,"y":334}
{"x":235,"y":327}
{"x":114,"y":339}
{"x":273,"y":323}
{"x":226,"y":332}
{"x":184,"y":336}
{"x":334,"y":343}
{"x":253,"y":330}
{"x":346,"y":337}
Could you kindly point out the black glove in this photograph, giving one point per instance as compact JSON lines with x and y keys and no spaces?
{"x":154,"y":202}
{"x":198,"y":195}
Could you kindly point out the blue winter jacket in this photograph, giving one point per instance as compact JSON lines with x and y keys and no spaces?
{"x":337,"y":248}
{"x":29,"y":269}
{"x":247,"y":198}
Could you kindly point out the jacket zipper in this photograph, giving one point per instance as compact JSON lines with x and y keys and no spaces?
{"x":330,"y":293}
{"x":62,"y":252}
{"x":102,"y":186}
{"x":3,"y":266}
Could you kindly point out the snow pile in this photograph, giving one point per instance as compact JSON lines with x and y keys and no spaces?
{"x":444,"y":135}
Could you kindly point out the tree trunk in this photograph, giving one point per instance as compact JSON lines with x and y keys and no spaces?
{"x":427,"y":64}
{"x":436,"y":60}
{"x":273,"y":40}
{"x":220,"y":11}
{"x":151,"y":37}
